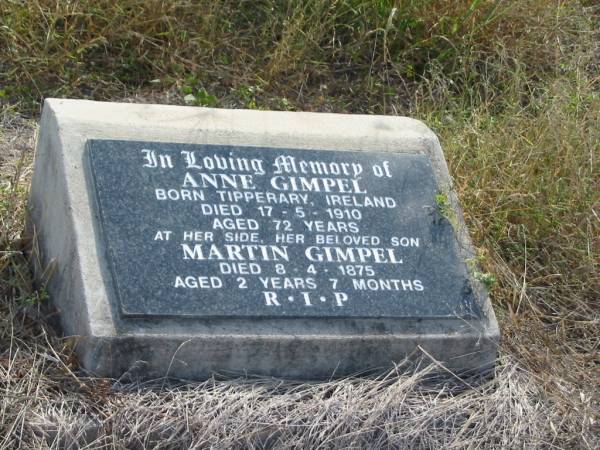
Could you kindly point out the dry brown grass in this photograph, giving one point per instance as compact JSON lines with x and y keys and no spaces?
{"x":513,"y":93}
{"x":396,"y":410}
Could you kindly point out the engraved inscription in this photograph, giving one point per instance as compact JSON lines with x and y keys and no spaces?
{"x":202,"y":231}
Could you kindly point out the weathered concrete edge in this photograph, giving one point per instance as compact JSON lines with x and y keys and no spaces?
{"x":54,"y":250}
{"x":305,"y":357}
{"x":77,"y":121}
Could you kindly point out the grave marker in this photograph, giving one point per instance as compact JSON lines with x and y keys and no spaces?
{"x":192,"y":240}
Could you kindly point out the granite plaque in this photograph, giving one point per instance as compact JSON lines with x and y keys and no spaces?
{"x":231,"y":231}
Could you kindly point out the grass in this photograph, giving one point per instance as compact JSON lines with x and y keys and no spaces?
{"x":351,"y":55}
{"x":511,"y":88}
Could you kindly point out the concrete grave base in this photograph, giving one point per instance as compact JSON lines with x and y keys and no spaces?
{"x":64,"y":224}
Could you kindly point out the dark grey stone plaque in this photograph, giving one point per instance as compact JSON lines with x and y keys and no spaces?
{"x":209,"y":230}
